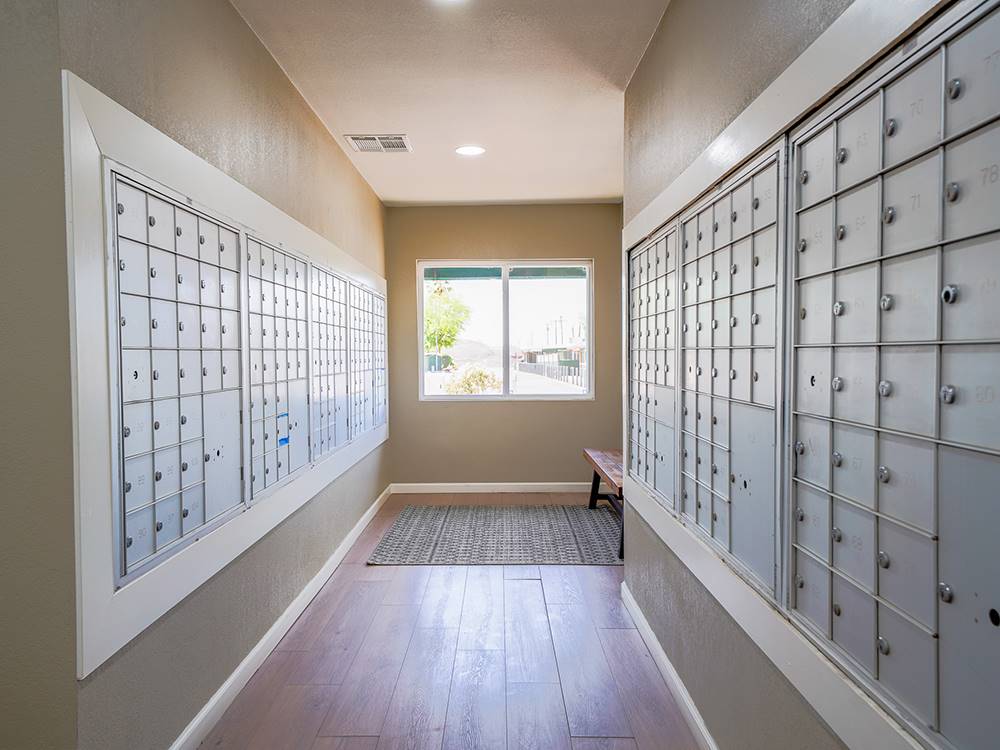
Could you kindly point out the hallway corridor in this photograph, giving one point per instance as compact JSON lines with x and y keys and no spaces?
{"x":458,"y":658}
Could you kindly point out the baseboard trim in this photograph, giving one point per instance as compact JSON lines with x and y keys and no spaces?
{"x":691,"y":713}
{"x":212,"y":711}
{"x":424,"y":488}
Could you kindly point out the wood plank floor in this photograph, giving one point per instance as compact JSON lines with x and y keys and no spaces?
{"x":523,"y":657}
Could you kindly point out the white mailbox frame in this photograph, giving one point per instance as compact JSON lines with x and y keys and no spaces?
{"x":96,"y":130}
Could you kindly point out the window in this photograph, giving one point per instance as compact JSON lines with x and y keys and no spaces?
{"x":505,"y":329}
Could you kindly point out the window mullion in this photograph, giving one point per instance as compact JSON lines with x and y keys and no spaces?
{"x":506,"y":329}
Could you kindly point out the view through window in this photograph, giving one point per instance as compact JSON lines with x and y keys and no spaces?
{"x":507,"y":329}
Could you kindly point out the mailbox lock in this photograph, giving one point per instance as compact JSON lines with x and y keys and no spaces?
{"x":128,"y":539}
{"x":732,"y":374}
{"x":837,"y":458}
{"x":732,"y":321}
{"x":685,"y":244}
{"x":838,"y":309}
{"x":128,"y":486}
{"x":182,"y":373}
{"x":949,"y":295}
{"x":158,"y":476}
{"x":890,"y":127}
{"x":837,"y":384}
{"x":127,"y":431}
{"x":883,"y":559}
{"x":715,"y":324}
{"x":120,"y":208}
{"x":884,"y":474}
{"x":699,"y":236}
{"x":699,"y":281}
{"x":733,"y":269}
{"x":951,"y":192}
{"x":803,"y":177}
{"x":152,"y":273}
{"x":184,"y":419}
{"x":733,"y":216}
{"x":883,"y":646}
{"x":201,"y":239}
{"x":698,"y":326}
{"x":715,"y":469}
{"x":841,"y":155}
{"x":756,"y":376}
{"x":756,"y":203}
{"x":178,"y":231}
{"x":802,"y":245}
{"x":180,"y":325}
{"x":802,"y":313}
{"x":715,"y":372}
{"x":800,"y":447}
{"x":837,"y":535}
{"x":684,"y":286}
{"x":121,"y":265}
{"x":185,"y":512}
{"x":715,"y":420}
{"x":184,"y":465}
{"x":945,"y":592}
{"x":204,"y":327}
{"x":755,"y":318}
{"x":884,"y":388}
{"x":889,"y":215}
{"x":699,"y":370}
{"x":836,"y":610}
{"x":208,"y":457}
{"x":159,"y":525}
{"x":800,"y":582}
{"x":885,"y":302}
{"x":841,"y":231}
{"x":800,"y":515}
{"x":715,"y":226}
{"x":156,"y":374}
{"x":715,"y":275}
{"x":947,"y":394}
{"x":954,"y":88}
{"x":223,"y":327}
{"x":156,"y":424}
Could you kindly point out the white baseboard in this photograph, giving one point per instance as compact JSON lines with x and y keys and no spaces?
{"x":418,"y":488}
{"x":670,"y":676}
{"x":216,"y":706}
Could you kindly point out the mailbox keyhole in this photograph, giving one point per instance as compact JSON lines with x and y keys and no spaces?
{"x":135,"y":374}
{"x":812,"y":380}
{"x":218,"y":452}
{"x":995,"y":618}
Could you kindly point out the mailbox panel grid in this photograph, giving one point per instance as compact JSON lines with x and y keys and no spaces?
{"x":368,"y":389}
{"x":730,"y":251}
{"x":179,"y":372}
{"x":652,"y":357}
{"x":279,"y":355}
{"x":329,"y":374}
{"x":895,"y":372}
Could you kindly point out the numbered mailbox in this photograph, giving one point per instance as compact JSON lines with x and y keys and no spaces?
{"x":664,"y":475}
{"x":854,"y":622}
{"x":167,"y":515}
{"x":138,"y":481}
{"x":166,"y":422}
{"x":140,"y":540}
{"x":854,"y":385}
{"x":913,"y":111}
{"x":230,"y":328}
{"x":188,"y":369}
{"x":972,"y":91}
{"x":131,"y":218}
{"x":970,"y":394}
{"x":814,"y":245}
{"x":133,"y":268}
{"x":812,"y":451}
{"x":906,"y":659}
{"x":741,"y":268}
{"x":765,"y":253}
{"x":703,"y":280}
{"x":911,"y":203}
{"x":166,"y":472}
{"x":137,"y":429}
{"x":972,"y":183}
{"x":164,"y":373}
{"x":815,"y":178}
{"x":192,"y":463}
{"x":188,"y":281}
{"x":229,"y":289}
{"x":208,"y":241}
{"x":740,"y":374}
{"x":908,"y":303}
{"x":192,"y":509}
{"x":741,"y":209}
{"x":811,"y":514}
{"x":815,"y":301}
{"x":907,"y":398}
{"x":857,"y":226}
{"x":229,"y":249}
{"x":163,"y":324}
{"x":765,"y":197}
{"x":853,"y":462}
{"x":853,"y":537}
{"x":223,"y":487}
{"x":186,"y":232}
{"x":858,"y":138}
{"x":161,"y":223}
{"x":720,"y":273}
{"x":740,"y":320}
{"x":720,"y":471}
{"x":190,"y":417}
{"x":970,"y":289}
{"x":811,"y":589}
{"x":133,"y":321}
{"x":762,"y":377}
{"x":856,"y":305}
{"x":705,"y":231}
{"x":721,"y":222}
{"x":188,"y":326}
{"x":907,"y":570}
{"x":162,"y":274}
{"x":211,"y":328}
{"x":721,"y":365}
{"x":906,"y":479}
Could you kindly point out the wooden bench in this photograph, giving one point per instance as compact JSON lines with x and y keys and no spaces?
{"x":608,"y":466}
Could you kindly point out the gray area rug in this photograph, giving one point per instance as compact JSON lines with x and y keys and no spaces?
{"x":501,"y":535}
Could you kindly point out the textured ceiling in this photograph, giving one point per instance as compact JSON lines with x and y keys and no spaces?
{"x":539,"y":83}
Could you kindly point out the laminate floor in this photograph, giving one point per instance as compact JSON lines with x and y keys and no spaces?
{"x":458,"y":658}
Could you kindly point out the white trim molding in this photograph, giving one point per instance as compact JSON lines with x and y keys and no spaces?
{"x":854,"y":717}
{"x":674,"y":683}
{"x":199,"y":727}
{"x":865,"y":30}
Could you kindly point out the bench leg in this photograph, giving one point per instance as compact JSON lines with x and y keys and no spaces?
{"x":621,"y":543}
{"x":595,"y":485}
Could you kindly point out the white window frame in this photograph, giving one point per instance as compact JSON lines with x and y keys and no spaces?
{"x":505,"y":266}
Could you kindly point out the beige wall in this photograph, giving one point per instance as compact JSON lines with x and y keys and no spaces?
{"x":194,"y":70}
{"x":37,"y":585}
{"x":747,"y":704}
{"x":501,"y":441}
{"x":706,"y":62}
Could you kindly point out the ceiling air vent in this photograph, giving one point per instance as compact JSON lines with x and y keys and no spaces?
{"x":379,"y":143}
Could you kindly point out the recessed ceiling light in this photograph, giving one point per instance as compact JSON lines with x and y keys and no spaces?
{"x":470,"y":150}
